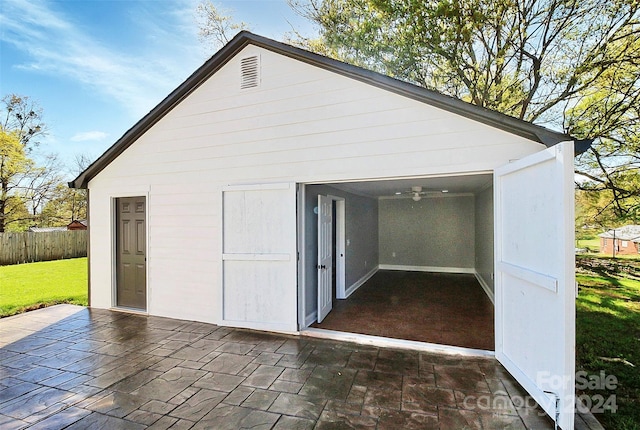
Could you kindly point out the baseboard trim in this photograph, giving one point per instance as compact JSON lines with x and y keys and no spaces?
{"x":386,"y":342}
{"x":485,"y":287}
{"x":435,"y":269}
{"x":353,"y":287}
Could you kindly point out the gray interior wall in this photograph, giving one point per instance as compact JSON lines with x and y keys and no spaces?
{"x":361,"y":232}
{"x":434,"y":232}
{"x":484,"y":236}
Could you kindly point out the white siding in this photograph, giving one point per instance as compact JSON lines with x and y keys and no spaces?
{"x":302,"y":124}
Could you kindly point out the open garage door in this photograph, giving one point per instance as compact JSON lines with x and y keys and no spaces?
{"x":535,"y":277}
{"x":259,"y":257}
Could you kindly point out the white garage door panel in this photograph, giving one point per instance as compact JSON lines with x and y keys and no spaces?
{"x":252,"y":292}
{"x":535,"y":279}
{"x":259,"y":257}
{"x":525,"y":302}
{"x":255,"y":220}
{"x":529,"y":246}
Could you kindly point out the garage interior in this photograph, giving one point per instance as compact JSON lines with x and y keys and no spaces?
{"x":418,"y":259}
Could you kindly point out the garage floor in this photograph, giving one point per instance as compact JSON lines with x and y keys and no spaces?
{"x":448,"y":309}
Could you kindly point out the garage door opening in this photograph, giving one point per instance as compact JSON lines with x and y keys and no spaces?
{"x":416,"y":255}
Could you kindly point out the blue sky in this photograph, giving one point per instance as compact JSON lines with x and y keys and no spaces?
{"x":97,"y":66}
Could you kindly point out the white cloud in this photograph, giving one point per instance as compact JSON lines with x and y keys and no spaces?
{"x":58,"y":46}
{"x":89,"y":136}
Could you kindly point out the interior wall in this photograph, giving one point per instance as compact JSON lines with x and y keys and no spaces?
{"x":433,"y":233}
{"x":361,"y":234}
{"x":484,"y":239}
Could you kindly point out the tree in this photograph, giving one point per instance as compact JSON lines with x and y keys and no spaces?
{"x":23,"y":117}
{"x":217,"y":26}
{"x":551,"y":62}
{"x":67,"y":204}
{"x":40,"y":185}
{"x":611,"y":110}
{"x":14,"y":164}
{"x":21,"y":126}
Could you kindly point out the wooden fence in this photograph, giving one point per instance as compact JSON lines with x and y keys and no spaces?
{"x":27,"y":247}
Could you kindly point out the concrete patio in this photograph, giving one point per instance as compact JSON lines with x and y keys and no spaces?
{"x":76,"y":368}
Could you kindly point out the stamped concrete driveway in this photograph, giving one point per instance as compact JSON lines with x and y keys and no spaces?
{"x":76,"y":368}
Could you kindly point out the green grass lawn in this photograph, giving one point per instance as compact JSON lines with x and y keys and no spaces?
{"x":608,"y":333}
{"x":33,"y":285}
{"x":592,"y":244}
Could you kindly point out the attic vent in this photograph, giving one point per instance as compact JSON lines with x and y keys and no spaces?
{"x":249,"y":72}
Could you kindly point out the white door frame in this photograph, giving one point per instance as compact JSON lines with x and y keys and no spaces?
{"x":340,"y":238}
{"x":340,"y":242}
{"x":113,"y":207}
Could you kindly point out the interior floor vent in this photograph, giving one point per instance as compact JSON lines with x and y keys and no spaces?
{"x":249,"y":72}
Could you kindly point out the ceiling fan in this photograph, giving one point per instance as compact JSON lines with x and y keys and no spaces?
{"x":417,"y":193}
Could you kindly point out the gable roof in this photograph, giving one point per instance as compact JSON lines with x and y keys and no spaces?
{"x":492,"y":118}
{"x":628,"y":232}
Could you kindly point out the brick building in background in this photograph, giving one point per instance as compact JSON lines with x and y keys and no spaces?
{"x":625,"y":239}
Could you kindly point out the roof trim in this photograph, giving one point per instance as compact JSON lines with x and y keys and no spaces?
{"x":495,"y":119}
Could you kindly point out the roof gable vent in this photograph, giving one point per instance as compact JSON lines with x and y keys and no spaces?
{"x":249,"y":72}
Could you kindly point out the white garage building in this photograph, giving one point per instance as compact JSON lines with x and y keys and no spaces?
{"x":220,"y":205}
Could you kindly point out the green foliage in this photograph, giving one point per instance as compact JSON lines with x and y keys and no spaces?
{"x":33,"y":285}
{"x":13,"y":159}
{"x":32,"y":194}
{"x":14,"y":166}
{"x":65,"y":205}
{"x":610,"y":110}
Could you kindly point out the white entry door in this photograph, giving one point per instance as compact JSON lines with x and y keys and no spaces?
{"x":259,"y":257}
{"x":325,"y":256}
{"x":535,"y":277}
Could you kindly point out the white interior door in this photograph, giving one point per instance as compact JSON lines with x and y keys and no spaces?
{"x":325,"y":256}
{"x":259,"y":257}
{"x":535,"y":277}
